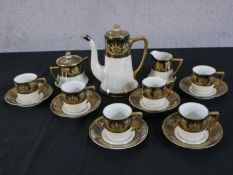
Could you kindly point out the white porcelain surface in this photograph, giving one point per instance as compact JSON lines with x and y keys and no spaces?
{"x":154,"y":82}
{"x":161,"y":56}
{"x":165,"y":75}
{"x":118,"y":138}
{"x":117,"y":111}
{"x":73,"y":86}
{"x":75,"y":113}
{"x":28,"y":98}
{"x":81,"y":77}
{"x":74,"y":108}
{"x":117,"y":74}
{"x":25,"y":77}
{"x":191,"y":138}
{"x":193,"y":111}
{"x":156,"y":103}
{"x":152,"y":107}
{"x":202,"y":90}
{"x":211,"y":93}
{"x":204,"y":70}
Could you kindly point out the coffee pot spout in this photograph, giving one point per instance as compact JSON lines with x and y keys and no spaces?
{"x":96,"y":68}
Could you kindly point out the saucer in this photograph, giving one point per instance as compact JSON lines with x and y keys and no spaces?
{"x":151,"y":108}
{"x":56,"y":105}
{"x":135,"y":99}
{"x":11,"y":96}
{"x":87,"y":108}
{"x":213,"y":92}
{"x":220,"y":86}
{"x":215,"y":132}
{"x":97,"y":128}
{"x":111,"y":141}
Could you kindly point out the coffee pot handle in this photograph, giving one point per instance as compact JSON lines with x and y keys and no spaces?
{"x":180,"y":61}
{"x":132,"y":41}
{"x":51,"y":68}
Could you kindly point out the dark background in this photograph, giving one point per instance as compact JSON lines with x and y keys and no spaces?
{"x":35,"y":141}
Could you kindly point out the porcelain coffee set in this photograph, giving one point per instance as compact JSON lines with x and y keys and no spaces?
{"x":193,"y":126}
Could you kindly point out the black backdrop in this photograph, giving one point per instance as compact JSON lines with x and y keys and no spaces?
{"x":35,"y":141}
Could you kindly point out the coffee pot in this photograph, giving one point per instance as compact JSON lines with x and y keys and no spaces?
{"x":69,"y":68}
{"x":117,"y":76}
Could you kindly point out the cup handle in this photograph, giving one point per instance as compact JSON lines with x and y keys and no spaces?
{"x":212,"y":117}
{"x":131,"y":42}
{"x":221,"y":77}
{"x":43,"y":81}
{"x":180,"y":62}
{"x":169,"y":86}
{"x":51,"y":68}
{"x":137,"y":119}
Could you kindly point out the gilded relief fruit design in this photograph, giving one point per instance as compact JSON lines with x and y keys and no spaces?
{"x":117,"y":49}
{"x":75,"y":98}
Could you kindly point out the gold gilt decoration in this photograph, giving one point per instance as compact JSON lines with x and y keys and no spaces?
{"x":117,"y":49}
{"x":70,"y":71}
{"x":118,"y":126}
{"x":203,"y":80}
{"x":162,"y":66}
{"x":153,"y":93}
{"x":75,"y":98}
{"x":26,"y":88}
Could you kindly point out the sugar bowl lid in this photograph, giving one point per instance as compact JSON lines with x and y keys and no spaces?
{"x":68,"y":60}
{"x":116,"y":33}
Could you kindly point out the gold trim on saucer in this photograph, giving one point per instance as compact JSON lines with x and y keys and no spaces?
{"x":57,"y":102}
{"x":220,"y":86}
{"x":172,"y":97}
{"x":11,"y":95}
{"x":215,"y":133}
{"x":139,"y":125}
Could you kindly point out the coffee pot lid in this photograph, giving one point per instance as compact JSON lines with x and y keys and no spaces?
{"x":68,"y":60}
{"x":116,"y":33}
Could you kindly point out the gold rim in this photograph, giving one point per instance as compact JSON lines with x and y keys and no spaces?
{"x":10,"y":96}
{"x":139,"y":125}
{"x":215,"y":133}
{"x":221,"y":88}
{"x":57,"y":102}
{"x":136,"y":96}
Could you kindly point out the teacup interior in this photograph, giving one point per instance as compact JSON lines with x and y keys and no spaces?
{"x":25,"y":77}
{"x":117,"y":111}
{"x":162,"y":56}
{"x":73,"y":86}
{"x":204,"y":70}
{"x":193,"y":111}
{"x":153,"y":82}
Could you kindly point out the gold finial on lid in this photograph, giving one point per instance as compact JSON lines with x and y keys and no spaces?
{"x":68,"y":55}
{"x":116,"y":26}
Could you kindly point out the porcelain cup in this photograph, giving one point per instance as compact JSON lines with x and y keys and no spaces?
{"x":75,"y":99}
{"x":193,"y":120}
{"x":118,"y":119}
{"x":203,"y":79}
{"x":27,"y":87}
{"x":163,"y":65}
{"x":154,"y":91}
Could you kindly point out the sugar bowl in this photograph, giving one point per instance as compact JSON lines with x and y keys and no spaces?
{"x":69,"y":68}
